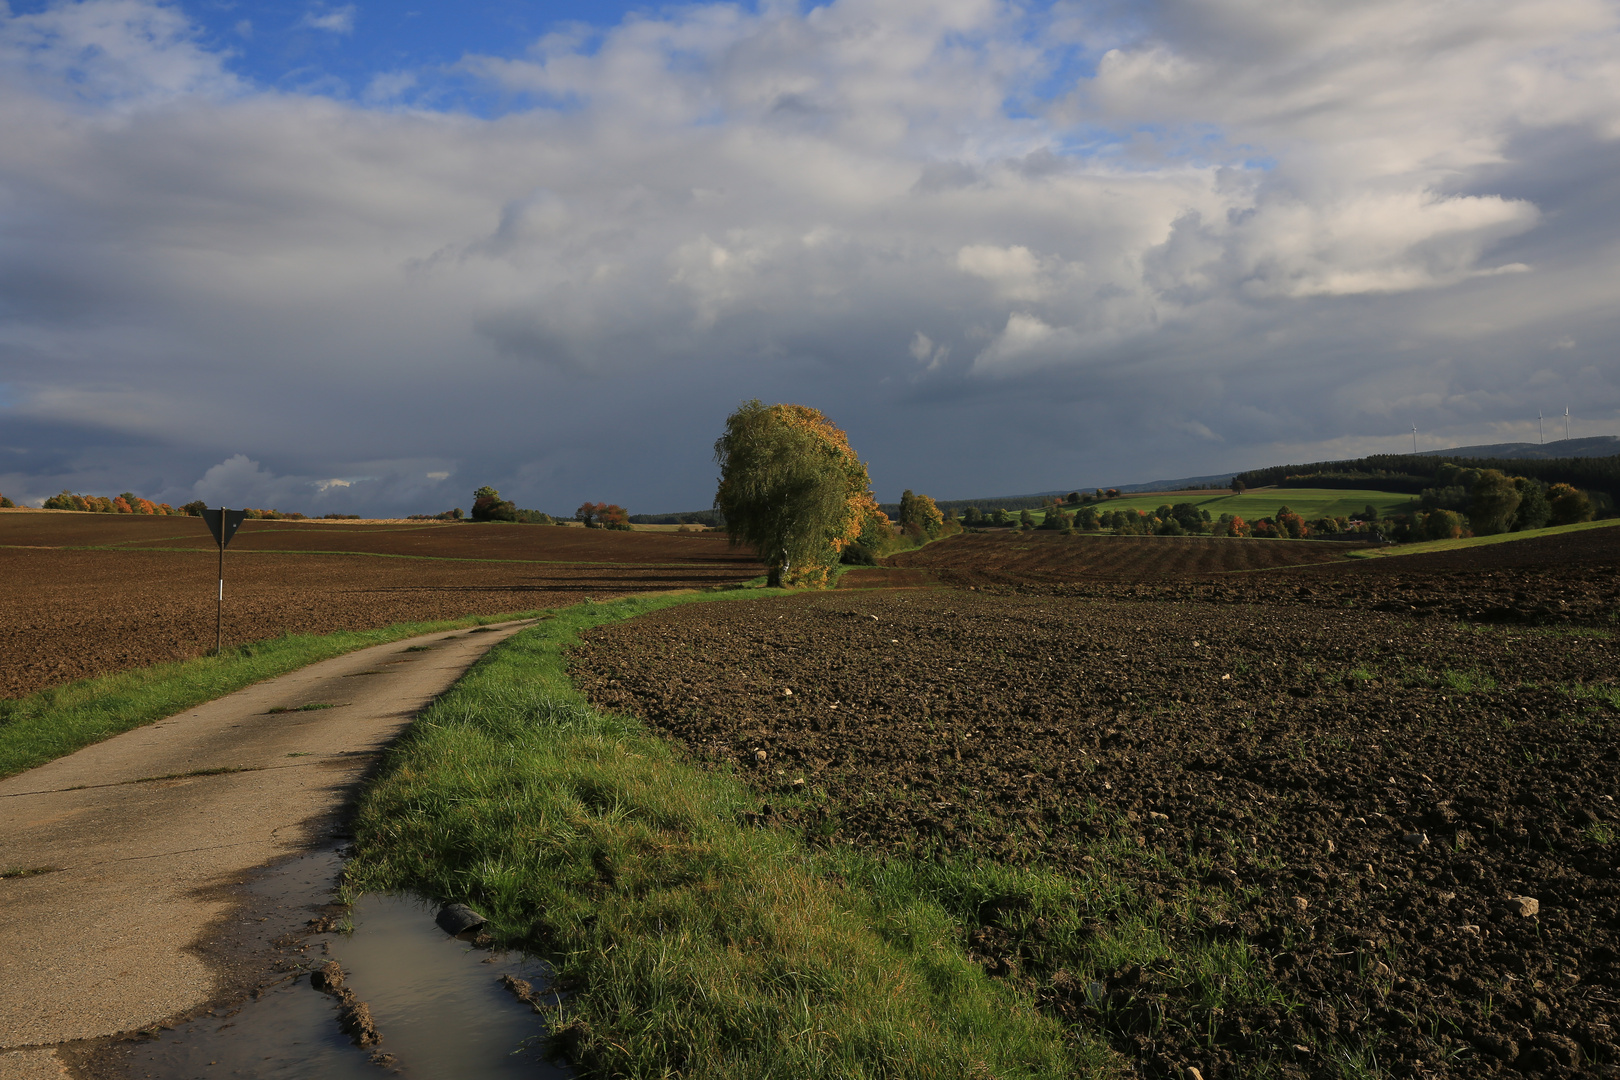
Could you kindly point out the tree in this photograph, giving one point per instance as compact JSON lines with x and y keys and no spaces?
{"x":5,"y":503}
{"x":921,"y":512}
{"x":1534,"y":509}
{"x":489,"y":506}
{"x":1072,"y":498}
{"x":791,"y":487}
{"x":1238,"y":486}
{"x":1492,"y":503}
{"x":1569,"y":504}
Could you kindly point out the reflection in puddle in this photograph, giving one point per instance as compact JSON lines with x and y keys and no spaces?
{"x":437,"y":1002}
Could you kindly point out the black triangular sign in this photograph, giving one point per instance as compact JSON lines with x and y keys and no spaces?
{"x":223,"y":524}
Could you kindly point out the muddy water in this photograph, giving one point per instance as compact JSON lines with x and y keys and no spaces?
{"x":437,"y":1002}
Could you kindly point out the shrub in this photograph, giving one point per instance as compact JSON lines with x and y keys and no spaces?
{"x":1568,"y":504}
{"x":5,"y":503}
{"x":856,"y":554}
{"x":1442,"y":525}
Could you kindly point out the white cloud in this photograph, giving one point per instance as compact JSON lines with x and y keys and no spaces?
{"x":336,"y":21}
{"x":109,"y":52}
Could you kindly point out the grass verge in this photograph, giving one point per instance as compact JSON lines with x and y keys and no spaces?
{"x":689,"y":944}
{"x":53,"y":723}
{"x":1476,"y":541}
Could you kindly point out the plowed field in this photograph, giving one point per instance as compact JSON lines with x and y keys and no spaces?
{"x":89,"y":594}
{"x":1347,"y":805}
{"x":1018,"y":558}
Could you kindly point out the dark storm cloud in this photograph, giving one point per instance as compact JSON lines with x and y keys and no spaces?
{"x":1234,"y":233}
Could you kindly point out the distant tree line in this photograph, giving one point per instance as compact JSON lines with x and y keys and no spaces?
{"x":958,"y":507}
{"x":1412,"y":473}
{"x":130,"y":503}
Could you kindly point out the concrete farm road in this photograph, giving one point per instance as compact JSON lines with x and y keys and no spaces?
{"x":129,"y":847}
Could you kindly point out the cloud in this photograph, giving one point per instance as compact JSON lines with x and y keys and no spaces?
{"x":241,"y":481}
{"x":336,"y":20}
{"x":111,"y":53}
{"x":1259,"y":224}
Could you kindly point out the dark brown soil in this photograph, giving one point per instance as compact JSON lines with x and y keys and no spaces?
{"x":1569,"y":579}
{"x":90,"y":594}
{"x":1005,"y":557}
{"x":1357,"y":797}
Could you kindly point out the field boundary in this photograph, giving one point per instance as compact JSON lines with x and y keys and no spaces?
{"x":54,"y":722}
{"x":1476,"y":541}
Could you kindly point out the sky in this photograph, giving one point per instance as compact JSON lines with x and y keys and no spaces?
{"x":366,"y":257}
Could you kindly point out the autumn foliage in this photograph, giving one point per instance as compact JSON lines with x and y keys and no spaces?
{"x":127,"y":503}
{"x":603,"y":516}
{"x":792,"y":487}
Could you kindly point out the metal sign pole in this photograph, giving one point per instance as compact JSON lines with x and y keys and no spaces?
{"x":219,"y":614}
{"x":223,"y":524}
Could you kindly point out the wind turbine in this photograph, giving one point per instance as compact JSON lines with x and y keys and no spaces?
{"x":1542,"y":431}
{"x":1566,"y":423}
{"x":1414,"y":438}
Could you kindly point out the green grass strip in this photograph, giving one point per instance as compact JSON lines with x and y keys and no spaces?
{"x":53,"y":723}
{"x":1476,"y":541}
{"x":689,"y":944}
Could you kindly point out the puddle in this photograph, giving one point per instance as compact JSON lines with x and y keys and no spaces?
{"x":438,"y":1005}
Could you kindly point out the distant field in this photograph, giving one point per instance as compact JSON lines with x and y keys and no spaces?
{"x":93,"y":594}
{"x":1308,"y":503}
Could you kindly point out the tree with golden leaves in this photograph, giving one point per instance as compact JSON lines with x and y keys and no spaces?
{"x":791,"y":487}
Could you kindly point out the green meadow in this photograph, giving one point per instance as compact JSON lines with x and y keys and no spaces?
{"x":1308,"y":503}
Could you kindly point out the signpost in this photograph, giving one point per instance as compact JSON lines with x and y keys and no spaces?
{"x":223,"y":524}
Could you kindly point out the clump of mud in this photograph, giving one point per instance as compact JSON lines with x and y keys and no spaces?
{"x":354,"y":1015}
